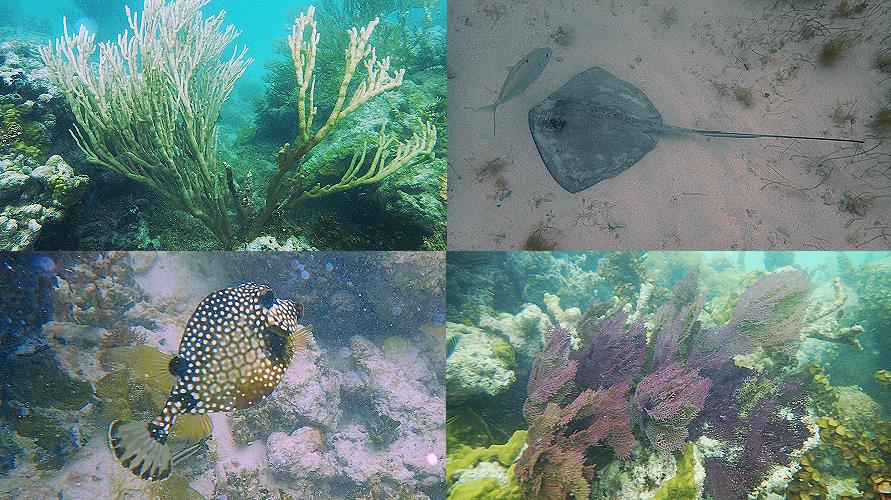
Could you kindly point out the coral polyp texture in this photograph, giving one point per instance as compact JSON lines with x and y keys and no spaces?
{"x":701,"y":384}
{"x":161,"y":105}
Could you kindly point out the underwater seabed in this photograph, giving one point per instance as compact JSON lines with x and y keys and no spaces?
{"x":259,"y":152}
{"x":668,"y":375}
{"x":359,"y":411}
{"x":548,"y":180}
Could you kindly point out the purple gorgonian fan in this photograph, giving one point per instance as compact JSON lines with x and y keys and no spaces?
{"x":666,"y":401}
{"x":553,"y":374}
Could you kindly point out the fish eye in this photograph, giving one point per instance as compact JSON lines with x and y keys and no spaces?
{"x":267,"y":298}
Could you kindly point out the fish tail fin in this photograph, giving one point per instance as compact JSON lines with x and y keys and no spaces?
{"x":494,"y":108}
{"x":134,"y":447}
{"x":193,"y":426}
{"x":153,"y":367}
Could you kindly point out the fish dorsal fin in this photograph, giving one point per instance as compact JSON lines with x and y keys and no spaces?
{"x":152,"y":367}
{"x":297,"y":341}
{"x":192,"y":426}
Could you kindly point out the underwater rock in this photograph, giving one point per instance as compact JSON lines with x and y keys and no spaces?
{"x":524,"y":331}
{"x":403,"y":462}
{"x":300,"y":457}
{"x":308,"y":395}
{"x":641,"y":476}
{"x":855,"y":407}
{"x":26,"y":284}
{"x":23,"y":72}
{"x":266,"y":243}
{"x":476,"y":367}
{"x":100,"y":290}
{"x":397,"y":387}
{"x":35,"y":196}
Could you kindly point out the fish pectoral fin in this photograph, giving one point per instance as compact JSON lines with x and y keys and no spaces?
{"x":192,"y":426}
{"x":152,"y":367}
{"x":134,"y":448}
{"x":298,"y":340}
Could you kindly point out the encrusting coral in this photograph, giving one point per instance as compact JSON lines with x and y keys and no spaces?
{"x":33,"y":197}
{"x":153,"y":118}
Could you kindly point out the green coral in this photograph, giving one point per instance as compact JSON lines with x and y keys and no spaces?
{"x":66,"y":188}
{"x":20,"y":133}
{"x":683,"y":485}
{"x":503,"y":352}
{"x":467,"y":457}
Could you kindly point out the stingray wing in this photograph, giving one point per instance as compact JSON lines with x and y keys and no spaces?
{"x":593,"y":128}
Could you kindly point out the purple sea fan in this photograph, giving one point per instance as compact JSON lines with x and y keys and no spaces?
{"x":554,"y":464}
{"x":610,"y":354}
{"x":666,"y":401}
{"x":773,"y":431}
{"x":553,"y":374}
{"x":607,"y":417}
{"x":712,"y":347}
{"x":771,"y":311}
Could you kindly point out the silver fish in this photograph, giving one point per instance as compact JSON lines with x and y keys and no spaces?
{"x":519,"y":77}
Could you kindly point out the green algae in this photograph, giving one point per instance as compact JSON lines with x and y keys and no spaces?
{"x":467,"y":457}
{"x":683,"y":485}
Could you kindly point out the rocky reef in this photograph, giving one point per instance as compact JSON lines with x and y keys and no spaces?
{"x":35,"y":188}
{"x":695,"y":379}
{"x":360,"y":412}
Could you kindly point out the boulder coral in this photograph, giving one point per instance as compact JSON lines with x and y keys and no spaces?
{"x":33,"y":197}
{"x":481,"y":364}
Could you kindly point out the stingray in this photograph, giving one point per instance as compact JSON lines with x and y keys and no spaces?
{"x":597,"y":126}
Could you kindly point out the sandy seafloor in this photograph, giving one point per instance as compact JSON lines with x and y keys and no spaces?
{"x":689,"y":192}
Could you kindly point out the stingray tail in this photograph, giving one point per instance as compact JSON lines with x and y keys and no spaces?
{"x":742,"y":135}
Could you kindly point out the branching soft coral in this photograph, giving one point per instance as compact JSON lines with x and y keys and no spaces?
{"x":554,"y":462}
{"x":551,"y":379}
{"x":150,"y":110}
{"x":666,"y":401}
{"x":283,"y":191}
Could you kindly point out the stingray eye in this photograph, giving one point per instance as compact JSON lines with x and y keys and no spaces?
{"x":554,"y":123}
{"x":267,"y":298}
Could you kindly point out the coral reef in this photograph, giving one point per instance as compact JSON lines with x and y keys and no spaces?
{"x":481,"y":364}
{"x":525,"y":330}
{"x":657,"y":374}
{"x":354,"y":417}
{"x":111,"y":105}
{"x":33,"y":197}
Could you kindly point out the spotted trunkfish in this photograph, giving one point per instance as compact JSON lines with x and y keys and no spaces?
{"x":233,"y":353}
